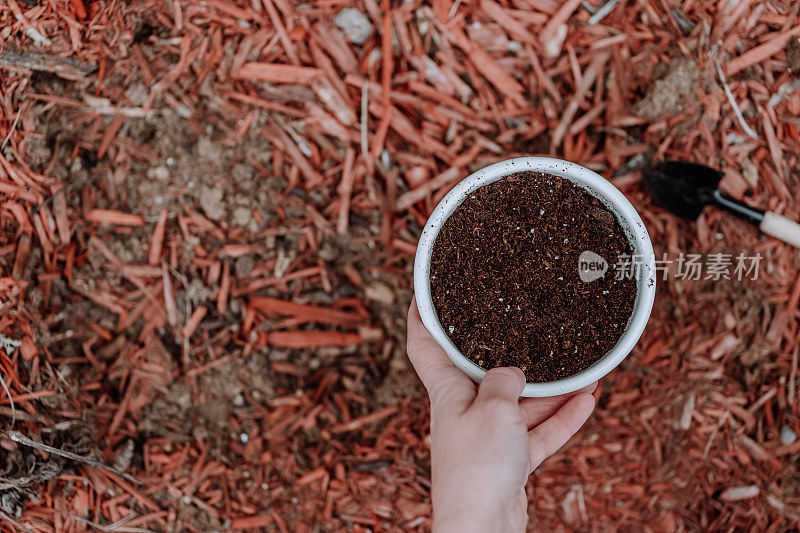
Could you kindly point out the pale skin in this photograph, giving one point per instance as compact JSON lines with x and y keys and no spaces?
{"x":485,"y":441}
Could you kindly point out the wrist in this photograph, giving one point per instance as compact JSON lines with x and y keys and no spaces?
{"x":467,"y":519}
{"x":462,"y":525}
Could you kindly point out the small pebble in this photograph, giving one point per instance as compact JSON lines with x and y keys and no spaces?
{"x":354,"y":24}
{"x":787,"y":435}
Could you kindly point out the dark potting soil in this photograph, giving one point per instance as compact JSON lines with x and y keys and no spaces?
{"x":505,"y":279}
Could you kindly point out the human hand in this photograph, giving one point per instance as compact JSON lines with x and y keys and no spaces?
{"x":485,"y":442}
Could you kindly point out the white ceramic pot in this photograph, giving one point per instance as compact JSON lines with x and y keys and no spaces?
{"x":598,"y":187}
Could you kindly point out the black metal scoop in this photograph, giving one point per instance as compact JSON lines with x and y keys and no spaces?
{"x":685,"y":188}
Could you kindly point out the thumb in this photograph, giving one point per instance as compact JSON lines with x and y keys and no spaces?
{"x":503,"y":384}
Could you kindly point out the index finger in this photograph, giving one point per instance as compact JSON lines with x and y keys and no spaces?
{"x":440,"y":377}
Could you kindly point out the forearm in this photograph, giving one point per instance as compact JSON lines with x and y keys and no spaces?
{"x":474,"y":510}
{"x":469,"y":520}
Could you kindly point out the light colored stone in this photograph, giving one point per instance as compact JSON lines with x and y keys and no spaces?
{"x":241,"y":216}
{"x":354,"y":24}
{"x":379,"y":292}
{"x":211,"y":202}
{"x":160,"y":173}
{"x":787,"y":435}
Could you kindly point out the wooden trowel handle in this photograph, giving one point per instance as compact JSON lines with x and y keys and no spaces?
{"x":781,"y":228}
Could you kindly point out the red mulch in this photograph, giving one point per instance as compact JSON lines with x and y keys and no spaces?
{"x":208,"y":220}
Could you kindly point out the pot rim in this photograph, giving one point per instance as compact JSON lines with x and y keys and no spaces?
{"x":598,"y":187}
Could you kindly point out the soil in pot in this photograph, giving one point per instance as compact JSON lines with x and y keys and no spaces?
{"x":505,"y":279}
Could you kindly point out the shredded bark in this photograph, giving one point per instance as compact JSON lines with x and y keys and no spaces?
{"x":208,"y":218}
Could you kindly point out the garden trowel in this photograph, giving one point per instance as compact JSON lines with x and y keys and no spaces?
{"x":685,"y":189}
